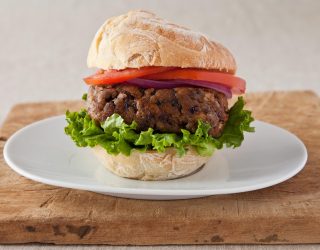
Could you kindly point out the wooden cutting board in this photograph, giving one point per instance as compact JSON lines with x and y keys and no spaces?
{"x":283,"y":214}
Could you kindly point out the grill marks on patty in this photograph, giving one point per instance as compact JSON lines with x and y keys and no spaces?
{"x":164,"y":110}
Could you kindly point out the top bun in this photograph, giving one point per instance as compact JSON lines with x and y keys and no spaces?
{"x":140,"y":38}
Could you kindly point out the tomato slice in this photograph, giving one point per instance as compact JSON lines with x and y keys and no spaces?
{"x":236,"y":84}
{"x":115,"y":76}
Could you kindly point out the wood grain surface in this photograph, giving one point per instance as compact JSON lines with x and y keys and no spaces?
{"x":283,"y":214}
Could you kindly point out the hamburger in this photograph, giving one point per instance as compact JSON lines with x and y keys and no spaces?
{"x":157,"y":107}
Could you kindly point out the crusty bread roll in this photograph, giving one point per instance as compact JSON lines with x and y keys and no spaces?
{"x":140,"y":38}
{"x":152,"y":165}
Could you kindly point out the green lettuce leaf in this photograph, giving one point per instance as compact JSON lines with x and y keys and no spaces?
{"x":84,"y":96}
{"x":238,"y":122}
{"x":115,"y":136}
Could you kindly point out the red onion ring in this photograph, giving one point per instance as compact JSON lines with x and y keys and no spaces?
{"x":168,"y":84}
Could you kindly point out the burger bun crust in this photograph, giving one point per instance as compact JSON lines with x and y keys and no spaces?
{"x":140,"y":39}
{"x":151,"y":165}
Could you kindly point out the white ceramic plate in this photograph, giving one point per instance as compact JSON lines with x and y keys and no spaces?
{"x":42,"y":152}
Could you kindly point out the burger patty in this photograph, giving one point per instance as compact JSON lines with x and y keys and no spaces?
{"x":164,"y":110}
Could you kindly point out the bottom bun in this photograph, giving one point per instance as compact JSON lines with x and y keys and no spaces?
{"x":151,"y":165}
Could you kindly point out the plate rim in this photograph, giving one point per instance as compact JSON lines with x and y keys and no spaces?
{"x":145,"y":191}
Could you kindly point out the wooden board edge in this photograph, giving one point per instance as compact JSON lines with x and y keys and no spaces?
{"x":308,"y":92}
{"x":211,"y":232}
{"x":19,"y":111}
